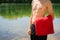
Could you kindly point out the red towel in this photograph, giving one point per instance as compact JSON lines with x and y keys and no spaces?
{"x":44,"y":25}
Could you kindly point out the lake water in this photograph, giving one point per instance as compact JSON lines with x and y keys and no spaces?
{"x":14,"y":21}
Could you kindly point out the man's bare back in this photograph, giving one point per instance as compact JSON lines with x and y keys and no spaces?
{"x":39,"y":8}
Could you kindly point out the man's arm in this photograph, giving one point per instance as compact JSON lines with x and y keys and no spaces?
{"x":50,"y":9}
{"x":31,"y":15}
{"x":29,"y":30}
{"x":31,"y":19}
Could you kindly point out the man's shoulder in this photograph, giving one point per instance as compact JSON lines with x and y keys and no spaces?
{"x":49,"y":3}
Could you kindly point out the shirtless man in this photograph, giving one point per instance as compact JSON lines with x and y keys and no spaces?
{"x":39,"y":8}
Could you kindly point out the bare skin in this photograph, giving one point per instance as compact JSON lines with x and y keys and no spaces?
{"x":39,"y":7}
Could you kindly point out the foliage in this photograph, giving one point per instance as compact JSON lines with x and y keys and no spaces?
{"x":24,"y":1}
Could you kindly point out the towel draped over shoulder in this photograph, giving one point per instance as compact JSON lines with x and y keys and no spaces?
{"x":44,"y":25}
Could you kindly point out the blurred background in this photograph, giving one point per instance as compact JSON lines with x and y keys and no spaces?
{"x":23,"y":1}
{"x":14,"y":19}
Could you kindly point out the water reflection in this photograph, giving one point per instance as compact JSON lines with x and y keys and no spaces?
{"x":14,"y":21}
{"x":15,"y":10}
